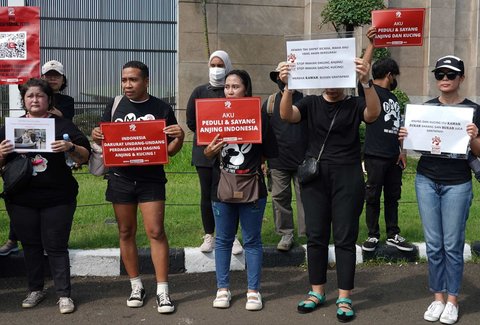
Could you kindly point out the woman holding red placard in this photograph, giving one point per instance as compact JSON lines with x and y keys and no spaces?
{"x":235,"y":163}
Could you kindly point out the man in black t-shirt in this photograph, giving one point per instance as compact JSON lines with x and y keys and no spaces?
{"x":383,"y":158}
{"x":292,"y":143}
{"x":133,"y":187}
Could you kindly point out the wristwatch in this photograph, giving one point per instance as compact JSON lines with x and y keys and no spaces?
{"x":72,"y":148}
{"x":367,"y":85}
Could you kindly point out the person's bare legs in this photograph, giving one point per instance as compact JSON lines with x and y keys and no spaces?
{"x":126,"y":215}
{"x":153,"y":217}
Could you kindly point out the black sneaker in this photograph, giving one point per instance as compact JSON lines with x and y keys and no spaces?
{"x":400,"y":243}
{"x":136,"y":297}
{"x":165,"y":305}
{"x":370,"y":244}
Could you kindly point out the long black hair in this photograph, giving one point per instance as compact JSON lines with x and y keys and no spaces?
{"x":247,"y":82}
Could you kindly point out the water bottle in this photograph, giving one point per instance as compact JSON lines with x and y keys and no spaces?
{"x":68,"y":160}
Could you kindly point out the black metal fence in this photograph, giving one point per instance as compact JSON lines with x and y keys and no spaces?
{"x":94,"y":38}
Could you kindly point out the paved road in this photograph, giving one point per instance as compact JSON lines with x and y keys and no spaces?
{"x":385,"y":294}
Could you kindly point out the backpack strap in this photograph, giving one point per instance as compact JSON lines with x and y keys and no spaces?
{"x":116,"y":101}
{"x":270,"y":104}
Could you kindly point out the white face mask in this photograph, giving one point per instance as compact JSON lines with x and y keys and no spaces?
{"x":217,"y":76}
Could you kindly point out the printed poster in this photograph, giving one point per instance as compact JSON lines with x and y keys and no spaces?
{"x":134,"y":143}
{"x":237,"y":120}
{"x":326,"y":63}
{"x":398,"y":27}
{"x":19,"y":44}
{"x":438,"y":130}
{"x":30,"y":134}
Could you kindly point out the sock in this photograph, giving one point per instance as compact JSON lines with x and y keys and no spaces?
{"x":162,"y":287}
{"x":136,"y":282}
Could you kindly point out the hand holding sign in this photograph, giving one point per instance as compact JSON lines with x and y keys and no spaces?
{"x":214,"y":147}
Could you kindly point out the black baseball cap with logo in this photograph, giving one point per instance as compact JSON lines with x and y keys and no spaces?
{"x":450,"y":62}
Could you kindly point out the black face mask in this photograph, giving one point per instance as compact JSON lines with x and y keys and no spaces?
{"x":280,"y":85}
{"x":393,"y":85}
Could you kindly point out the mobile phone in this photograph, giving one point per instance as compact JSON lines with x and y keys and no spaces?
{"x":400,"y":163}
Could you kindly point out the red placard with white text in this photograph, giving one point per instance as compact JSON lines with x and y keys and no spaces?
{"x":134,"y":143}
{"x":237,"y":120}
{"x":19,"y":44}
{"x":398,"y":27}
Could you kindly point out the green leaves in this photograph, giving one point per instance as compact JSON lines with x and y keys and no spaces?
{"x":350,"y":13}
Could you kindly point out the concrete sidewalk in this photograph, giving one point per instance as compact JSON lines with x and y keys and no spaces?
{"x":107,"y":262}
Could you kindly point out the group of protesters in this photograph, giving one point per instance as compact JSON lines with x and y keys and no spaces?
{"x":295,"y":129}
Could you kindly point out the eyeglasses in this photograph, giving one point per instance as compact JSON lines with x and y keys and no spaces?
{"x":451,"y":75}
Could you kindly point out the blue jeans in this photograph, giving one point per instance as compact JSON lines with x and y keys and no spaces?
{"x":226,"y":219}
{"x":444,"y":212}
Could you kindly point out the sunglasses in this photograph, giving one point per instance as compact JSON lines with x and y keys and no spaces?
{"x":451,"y":75}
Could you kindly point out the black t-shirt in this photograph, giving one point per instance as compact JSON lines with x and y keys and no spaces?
{"x":127,"y":111}
{"x":52,"y":183}
{"x":246,"y":158}
{"x":64,"y":104}
{"x":203,"y":91}
{"x":343,"y":144}
{"x":381,"y":136}
{"x":448,"y":171}
{"x":291,"y":138}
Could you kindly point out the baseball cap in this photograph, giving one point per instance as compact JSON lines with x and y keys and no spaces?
{"x":53,"y":65}
{"x":274,"y":73}
{"x":450,"y":62}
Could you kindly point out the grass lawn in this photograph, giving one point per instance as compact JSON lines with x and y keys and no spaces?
{"x":93,"y":227}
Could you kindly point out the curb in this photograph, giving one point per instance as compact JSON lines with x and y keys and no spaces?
{"x":107,"y":261}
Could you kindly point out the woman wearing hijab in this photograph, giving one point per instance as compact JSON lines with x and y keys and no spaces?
{"x":219,"y":66}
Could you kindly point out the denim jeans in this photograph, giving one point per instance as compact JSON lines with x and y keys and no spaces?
{"x":226,"y":219}
{"x":444,"y":211}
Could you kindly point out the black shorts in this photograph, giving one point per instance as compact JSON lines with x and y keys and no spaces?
{"x":123,"y":190}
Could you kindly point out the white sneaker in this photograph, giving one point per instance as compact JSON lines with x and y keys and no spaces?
{"x":33,"y":299}
{"x":222,"y":300}
{"x":434,"y":311}
{"x":450,"y":314}
{"x":66,"y":305}
{"x":164,"y":304}
{"x":285,"y":243}
{"x":208,"y":244}
{"x":137,"y":296}
{"x":254,"y":301}
{"x":237,"y":247}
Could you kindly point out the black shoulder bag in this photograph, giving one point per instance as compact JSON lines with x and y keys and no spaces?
{"x":16,"y":175}
{"x":309,"y":169}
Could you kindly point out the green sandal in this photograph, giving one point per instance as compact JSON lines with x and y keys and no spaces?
{"x":309,"y":306}
{"x":345,"y":316}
